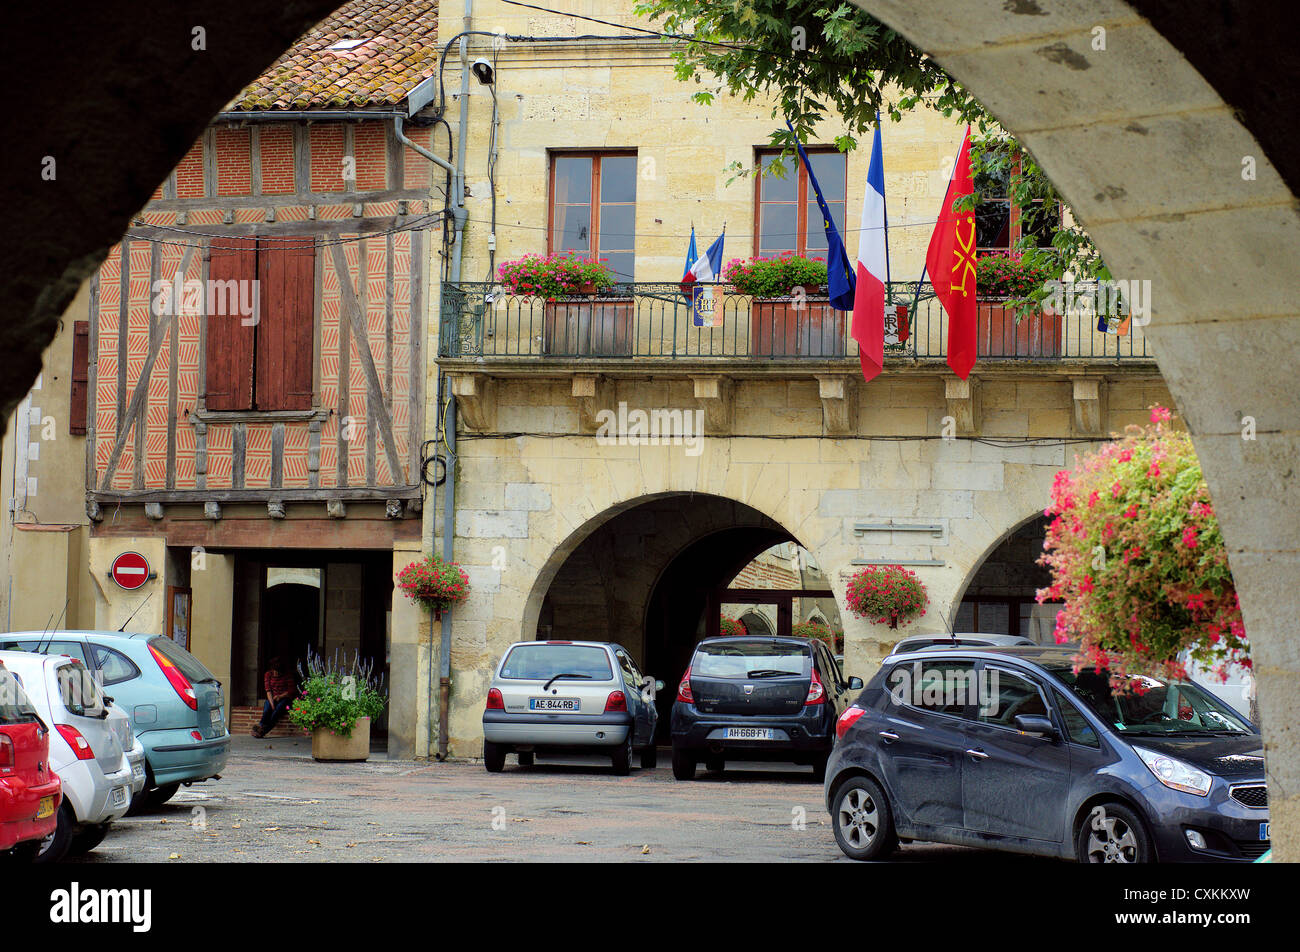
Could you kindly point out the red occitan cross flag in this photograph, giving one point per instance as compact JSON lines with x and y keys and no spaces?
{"x":950,"y":261}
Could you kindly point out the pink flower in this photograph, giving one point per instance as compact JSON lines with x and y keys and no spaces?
{"x":1160,"y":414}
{"x":1153,"y":470}
{"x":1189,"y":537}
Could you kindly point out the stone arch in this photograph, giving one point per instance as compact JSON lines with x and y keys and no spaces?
{"x":989,"y":549}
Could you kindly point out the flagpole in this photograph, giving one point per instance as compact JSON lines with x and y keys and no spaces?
{"x":884,"y":206}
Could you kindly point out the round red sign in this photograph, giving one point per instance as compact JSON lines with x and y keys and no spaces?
{"x":130,"y":570}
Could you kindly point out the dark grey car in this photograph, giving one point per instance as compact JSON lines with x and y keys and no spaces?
{"x":1007,"y":748}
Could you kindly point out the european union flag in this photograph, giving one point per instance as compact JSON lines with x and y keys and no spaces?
{"x":839,"y":272}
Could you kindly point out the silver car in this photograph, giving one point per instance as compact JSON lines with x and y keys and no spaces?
{"x":569,"y":696}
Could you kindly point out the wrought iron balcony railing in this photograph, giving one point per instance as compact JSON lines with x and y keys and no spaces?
{"x":656,"y":321}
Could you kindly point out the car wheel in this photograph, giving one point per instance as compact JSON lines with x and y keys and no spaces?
{"x":87,"y":838}
{"x":1113,"y":834}
{"x":494,"y":757}
{"x":862,"y":820}
{"x":649,"y":757}
{"x":55,"y":846}
{"x":622,"y":757}
{"x":683,"y":765}
{"x":715,"y":764}
{"x":159,"y":795}
{"x":525,"y":758}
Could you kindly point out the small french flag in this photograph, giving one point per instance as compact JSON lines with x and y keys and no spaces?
{"x":705,"y":269}
{"x":868,"y":327}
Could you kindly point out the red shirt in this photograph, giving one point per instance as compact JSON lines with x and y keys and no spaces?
{"x":279,"y":684}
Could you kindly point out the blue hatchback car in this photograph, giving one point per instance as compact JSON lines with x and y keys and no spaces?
{"x":175,"y":704}
{"x":1011,"y":749}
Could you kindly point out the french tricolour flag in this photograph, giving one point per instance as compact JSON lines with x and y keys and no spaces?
{"x":705,"y":269}
{"x":868,"y":327}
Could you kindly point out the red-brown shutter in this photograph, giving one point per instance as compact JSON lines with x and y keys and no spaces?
{"x":80,"y":377}
{"x":287,"y":270}
{"x":229,"y":349}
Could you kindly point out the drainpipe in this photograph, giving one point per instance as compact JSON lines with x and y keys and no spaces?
{"x":449,"y":428}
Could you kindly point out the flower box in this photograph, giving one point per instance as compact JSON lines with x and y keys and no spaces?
{"x":795,"y":327}
{"x":999,"y":334}
{"x":598,"y":327}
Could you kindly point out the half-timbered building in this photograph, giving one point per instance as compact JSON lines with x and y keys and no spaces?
{"x":248,"y":366}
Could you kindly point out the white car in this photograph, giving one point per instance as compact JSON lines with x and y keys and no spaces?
{"x":90,"y":749}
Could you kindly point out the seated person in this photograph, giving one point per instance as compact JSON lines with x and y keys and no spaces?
{"x":281,"y":690}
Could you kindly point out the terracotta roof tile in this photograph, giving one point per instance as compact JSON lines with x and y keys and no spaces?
{"x":399,"y":50}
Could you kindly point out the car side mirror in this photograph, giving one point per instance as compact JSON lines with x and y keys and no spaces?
{"x":659,"y":685}
{"x":1036,"y":724}
{"x":855,"y":684}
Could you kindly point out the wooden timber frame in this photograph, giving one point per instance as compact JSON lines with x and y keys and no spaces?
{"x":374,"y":224}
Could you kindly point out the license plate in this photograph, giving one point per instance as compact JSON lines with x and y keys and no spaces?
{"x":1263,"y":831}
{"x":218,"y":721}
{"x":119,"y":796}
{"x":749,"y":733}
{"x":553,"y":704}
{"x":46,"y":808}
{"x":137,"y":771}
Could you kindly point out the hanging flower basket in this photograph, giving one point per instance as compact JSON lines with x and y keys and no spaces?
{"x":887,"y":595}
{"x":433,"y":583}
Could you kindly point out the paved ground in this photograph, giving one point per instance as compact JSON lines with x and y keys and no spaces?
{"x":274,"y":803}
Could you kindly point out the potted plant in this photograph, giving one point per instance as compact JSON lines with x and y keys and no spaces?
{"x":887,"y":595}
{"x":789,"y":314}
{"x":336,"y":705}
{"x":433,"y":583}
{"x":579,"y":319}
{"x":1003,"y":331}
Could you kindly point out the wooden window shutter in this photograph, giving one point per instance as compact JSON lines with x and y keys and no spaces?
{"x":287,"y":271}
{"x":80,"y":377}
{"x":228,"y":353}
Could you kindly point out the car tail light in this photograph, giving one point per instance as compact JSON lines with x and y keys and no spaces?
{"x":495,"y":701}
{"x":7,"y":758}
{"x":615,"y":702}
{"x":177,"y":680}
{"x":847,"y":720}
{"x":816,"y":693}
{"x":684,"y":689}
{"x":80,"y":746}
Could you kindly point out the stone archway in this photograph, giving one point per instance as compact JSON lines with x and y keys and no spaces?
{"x":1147,"y":146}
{"x":1185,"y":173}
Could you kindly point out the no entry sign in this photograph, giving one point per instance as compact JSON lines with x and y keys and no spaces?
{"x":130,"y":570}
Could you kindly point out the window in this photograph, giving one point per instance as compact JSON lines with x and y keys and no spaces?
{"x":114,"y":667}
{"x":751,"y":659}
{"x":542,"y":661}
{"x":80,"y":378}
{"x":941,"y":687}
{"x":593,"y":208}
{"x":78,"y":690}
{"x":1077,"y":728}
{"x":1010,"y":696}
{"x":785,"y":209}
{"x":631,"y":674}
{"x":260,"y":360}
{"x":998,"y":223}
{"x":15,"y":707}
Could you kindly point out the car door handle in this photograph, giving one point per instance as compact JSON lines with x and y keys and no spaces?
{"x":977,"y":754}
{"x":889,"y":736}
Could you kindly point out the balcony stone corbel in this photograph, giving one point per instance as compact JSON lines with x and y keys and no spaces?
{"x":475,"y":399}
{"x":1089,"y":394}
{"x":336,"y":509}
{"x":839,"y":396}
{"x":963,"y":399}
{"x":212,"y":510}
{"x":717,"y":398}
{"x":153,"y":511}
{"x":594,"y":393}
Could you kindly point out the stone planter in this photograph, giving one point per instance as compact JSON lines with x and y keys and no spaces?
{"x":329,"y":746}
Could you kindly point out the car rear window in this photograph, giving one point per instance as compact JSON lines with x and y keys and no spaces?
{"x":15,"y":707}
{"x":751,"y":659}
{"x":541,"y":662}
{"x":189,"y":665}
{"x":78,"y":690}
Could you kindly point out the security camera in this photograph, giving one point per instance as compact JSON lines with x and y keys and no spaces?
{"x":483,"y":70}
